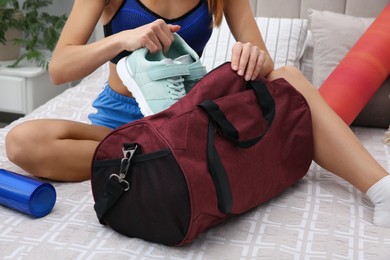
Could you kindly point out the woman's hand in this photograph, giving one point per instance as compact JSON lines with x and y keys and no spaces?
{"x":155,"y":36}
{"x":247,"y":60}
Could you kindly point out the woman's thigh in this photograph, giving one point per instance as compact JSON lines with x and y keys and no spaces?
{"x":52,"y":129}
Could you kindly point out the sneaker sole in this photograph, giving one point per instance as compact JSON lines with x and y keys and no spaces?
{"x":125,"y":74}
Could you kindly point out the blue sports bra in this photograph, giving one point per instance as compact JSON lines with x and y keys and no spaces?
{"x":196,"y":25}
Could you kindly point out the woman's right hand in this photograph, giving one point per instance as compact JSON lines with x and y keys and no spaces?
{"x":74,"y":58}
{"x":155,"y":36}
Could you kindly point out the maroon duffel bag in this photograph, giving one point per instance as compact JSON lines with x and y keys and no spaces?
{"x":226,"y":147}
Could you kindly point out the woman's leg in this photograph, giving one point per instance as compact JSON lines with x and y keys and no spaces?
{"x":338,"y":150}
{"x":54,"y":149}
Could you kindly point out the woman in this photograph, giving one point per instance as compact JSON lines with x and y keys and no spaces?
{"x":62,"y":150}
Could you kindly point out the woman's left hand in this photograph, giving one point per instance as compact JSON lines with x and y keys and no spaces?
{"x":247,"y":60}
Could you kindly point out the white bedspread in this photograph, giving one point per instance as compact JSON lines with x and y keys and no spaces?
{"x":321,"y":217}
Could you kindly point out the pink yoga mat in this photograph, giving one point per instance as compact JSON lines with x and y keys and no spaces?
{"x":363,"y":70}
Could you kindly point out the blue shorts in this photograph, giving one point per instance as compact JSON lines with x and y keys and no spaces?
{"x":114,"y":109}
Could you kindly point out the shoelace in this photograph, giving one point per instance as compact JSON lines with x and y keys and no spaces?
{"x":176,"y":87}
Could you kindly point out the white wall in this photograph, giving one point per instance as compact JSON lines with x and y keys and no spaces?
{"x":60,"y":7}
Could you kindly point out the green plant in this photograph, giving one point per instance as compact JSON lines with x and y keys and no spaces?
{"x":40,"y":29}
{"x":9,"y":12}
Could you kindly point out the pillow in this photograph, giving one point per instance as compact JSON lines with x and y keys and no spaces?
{"x":387,"y":137}
{"x":284,"y":37}
{"x":306,"y":62}
{"x":332,"y":36}
{"x":377,"y":111}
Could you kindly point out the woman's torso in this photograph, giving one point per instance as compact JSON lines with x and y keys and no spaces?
{"x":192,"y":15}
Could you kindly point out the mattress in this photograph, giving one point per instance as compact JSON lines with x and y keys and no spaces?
{"x":321,"y":217}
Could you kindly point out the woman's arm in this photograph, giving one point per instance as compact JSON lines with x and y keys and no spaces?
{"x":74,"y":59}
{"x":250,"y":56}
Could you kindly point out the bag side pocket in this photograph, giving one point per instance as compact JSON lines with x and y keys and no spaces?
{"x":157,"y":205}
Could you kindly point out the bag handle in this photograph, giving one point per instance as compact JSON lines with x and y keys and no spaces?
{"x":266,"y":103}
{"x":217,"y":117}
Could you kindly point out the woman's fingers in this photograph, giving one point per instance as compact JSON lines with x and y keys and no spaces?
{"x":237,"y":65}
{"x":155,"y":36}
{"x":258,"y":61}
{"x":247,"y":60}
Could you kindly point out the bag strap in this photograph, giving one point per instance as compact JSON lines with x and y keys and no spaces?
{"x":266,"y":103}
{"x":112,"y":192}
{"x":218,"y":118}
{"x":218,"y":173}
{"x":116,"y":184}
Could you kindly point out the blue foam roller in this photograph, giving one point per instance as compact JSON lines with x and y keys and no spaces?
{"x":26,"y":194}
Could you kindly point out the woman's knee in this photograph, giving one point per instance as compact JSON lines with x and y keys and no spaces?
{"x":21,"y":140}
{"x":26,"y":142}
{"x":295,"y":77}
{"x":290,"y":73}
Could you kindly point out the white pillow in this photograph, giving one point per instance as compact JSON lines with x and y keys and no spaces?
{"x":284,"y":37}
{"x":333,"y":35}
{"x":306,"y":62}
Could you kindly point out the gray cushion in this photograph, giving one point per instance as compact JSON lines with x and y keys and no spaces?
{"x":377,"y":111}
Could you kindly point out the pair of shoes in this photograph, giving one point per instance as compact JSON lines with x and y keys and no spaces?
{"x":159,"y":80}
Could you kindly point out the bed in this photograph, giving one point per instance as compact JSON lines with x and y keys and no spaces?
{"x":321,"y":217}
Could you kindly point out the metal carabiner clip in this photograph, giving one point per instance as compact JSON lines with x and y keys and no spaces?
{"x":121,"y":181}
{"x":128,"y":154}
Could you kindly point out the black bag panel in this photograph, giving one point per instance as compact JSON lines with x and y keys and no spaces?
{"x":158,"y":199}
